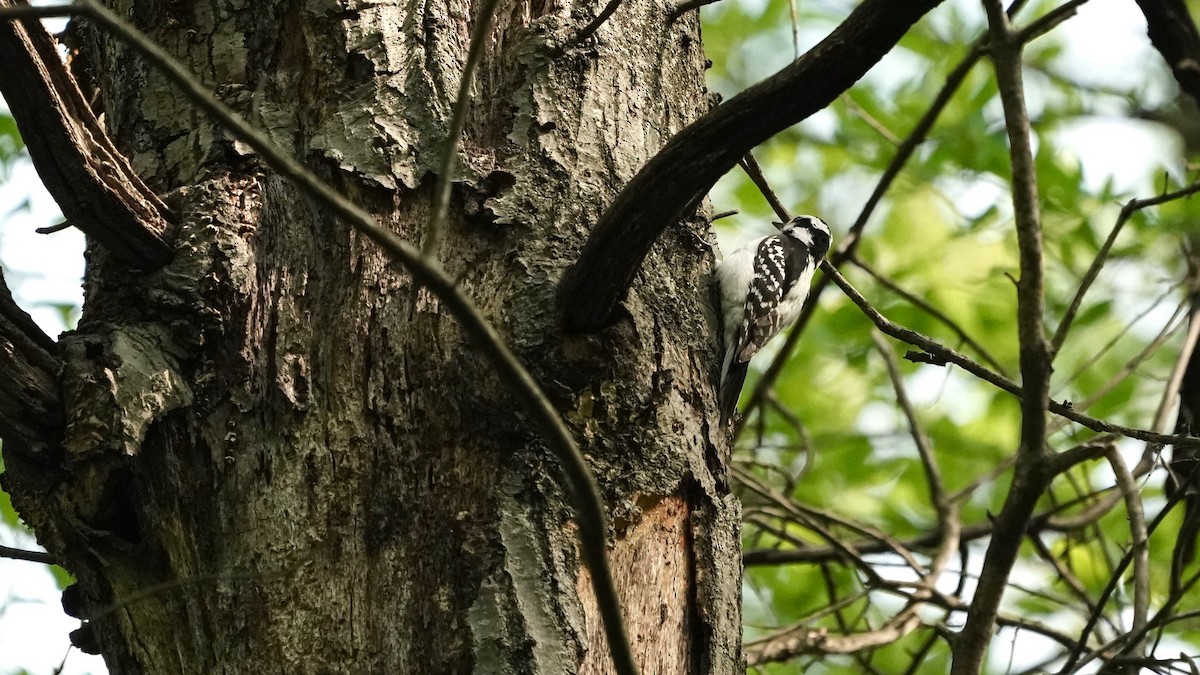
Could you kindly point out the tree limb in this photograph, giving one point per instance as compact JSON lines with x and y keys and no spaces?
{"x":693,"y":160}
{"x":950,"y":356}
{"x":92,"y":182}
{"x":30,"y":556}
{"x":1031,"y":475}
{"x":1174,"y":35}
{"x":30,"y":404}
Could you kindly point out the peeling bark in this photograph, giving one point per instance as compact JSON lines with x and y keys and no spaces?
{"x":301,"y":449}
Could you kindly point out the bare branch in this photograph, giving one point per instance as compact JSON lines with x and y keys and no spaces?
{"x":1133,"y":206}
{"x":693,"y":160}
{"x":950,"y":356}
{"x":685,"y":7}
{"x":31,"y":556}
{"x":803,"y":640}
{"x":1047,"y":22}
{"x":92,"y":182}
{"x":580,"y":484}
{"x":1077,"y":658}
{"x":1140,"y":538}
{"x":754,"y":171}
{"x":933,"y":476}
{"x":921,"y":304}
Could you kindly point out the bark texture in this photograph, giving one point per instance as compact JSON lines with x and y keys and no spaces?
{"x":280,"y":455}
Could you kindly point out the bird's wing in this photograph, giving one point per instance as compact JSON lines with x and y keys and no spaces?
{"x":774,"y":277}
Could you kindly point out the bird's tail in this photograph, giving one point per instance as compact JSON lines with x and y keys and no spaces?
{"x":733,"y":377}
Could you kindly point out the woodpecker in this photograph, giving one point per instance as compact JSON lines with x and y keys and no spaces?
{"x":763,"y":287}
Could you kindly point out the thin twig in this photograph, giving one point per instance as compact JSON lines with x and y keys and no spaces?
{"x":1094,"y":356}
{"x":1077,"y":659}
{"x":441,"y":206}
{"x":580,"y":484}
{"x":870,"y":119}
{"x":754,"y":171}
{"x":795,"y":16}
{"x":1062,"y":573}
{"x":51,"y":229}
{"x":801,"y":512}
{"x":31,"y":556}
{"x":950,"y":356}
{"x":1131,"y":366}
{"x":1048,"y":21}
{"x":1133,"y":206}
{"x":933,"y":476}
{"x":921,"y":304}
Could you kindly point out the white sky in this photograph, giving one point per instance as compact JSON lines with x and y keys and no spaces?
{"x":1104,"y":45}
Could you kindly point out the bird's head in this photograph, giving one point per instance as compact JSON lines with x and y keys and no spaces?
{"x":810,"y":231}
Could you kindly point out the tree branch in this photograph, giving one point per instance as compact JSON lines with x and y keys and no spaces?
{"x":920,"y":303}
{"x":595,"y":24}
{"x":30,"y":402}
{"x":950,"y":356}
{"x":1133,"y":206}
{"x":1031,"y":475}
{"x":30,"y":556}
{"x":696,"y":157}
{"x":754,"y":171}
{"x":1174,"y":35}
{"x":580,"y":484}
{"x":92,"y":182}
{"x":1139,"y":537}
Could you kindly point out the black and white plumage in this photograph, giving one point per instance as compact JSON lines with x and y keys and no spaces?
{"x":763,"y":287}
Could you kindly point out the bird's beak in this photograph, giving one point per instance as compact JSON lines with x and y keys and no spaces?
{"x":778,"y":226}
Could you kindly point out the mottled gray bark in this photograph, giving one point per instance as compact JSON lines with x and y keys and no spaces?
{"x":300,"y":447}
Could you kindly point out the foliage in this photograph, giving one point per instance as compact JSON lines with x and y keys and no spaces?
{"x":832,"y":436}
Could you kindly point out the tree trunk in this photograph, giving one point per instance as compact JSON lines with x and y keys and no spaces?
{"x":280,"y":455}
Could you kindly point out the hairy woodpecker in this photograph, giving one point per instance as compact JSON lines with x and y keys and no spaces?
{"x":763,"y":287}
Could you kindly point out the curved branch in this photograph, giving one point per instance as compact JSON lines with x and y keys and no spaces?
{"x":696,"y":157}
{"x":92,"y":182}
